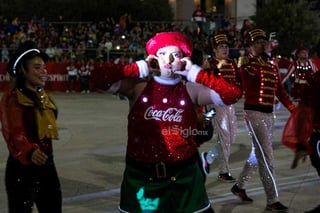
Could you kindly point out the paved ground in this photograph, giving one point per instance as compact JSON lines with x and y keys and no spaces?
{"x":90,"y":160}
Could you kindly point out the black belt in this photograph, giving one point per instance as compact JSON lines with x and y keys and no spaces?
{"x":161,"y":170}
{"x":258,"y":108}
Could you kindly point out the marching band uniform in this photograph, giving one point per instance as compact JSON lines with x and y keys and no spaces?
{"x":299,"y":73}
{"x":261,"y":84}
{"x":225,"y":120}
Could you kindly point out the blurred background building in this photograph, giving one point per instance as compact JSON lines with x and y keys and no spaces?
{"x":235,"y":10}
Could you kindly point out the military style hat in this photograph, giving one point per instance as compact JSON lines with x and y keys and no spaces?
{"x":219,"y":38}
{"x":28,"y":49}
{"x":254,"y":34}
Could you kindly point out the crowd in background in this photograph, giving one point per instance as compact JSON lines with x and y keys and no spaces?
{"x":117,"y":40}
{"x":106,"y":39}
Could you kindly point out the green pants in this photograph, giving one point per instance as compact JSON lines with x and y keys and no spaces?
{"x":182,"y":191}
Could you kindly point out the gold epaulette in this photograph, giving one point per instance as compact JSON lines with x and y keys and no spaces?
{"x":242,"y":60}
{"x":206,"y":65}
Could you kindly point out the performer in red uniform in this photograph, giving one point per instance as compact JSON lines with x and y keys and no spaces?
{"x":162,"y":172}
{"x":302,"y":130}
{"x":28,"y":118}
{"x":299,"y":72}
{"x":261,"y":85}
{"x":225,"y":120}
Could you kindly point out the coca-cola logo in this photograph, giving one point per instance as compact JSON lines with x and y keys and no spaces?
{"x":170,"y":114}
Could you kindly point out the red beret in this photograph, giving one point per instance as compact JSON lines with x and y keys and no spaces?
{"x":165,"y":39}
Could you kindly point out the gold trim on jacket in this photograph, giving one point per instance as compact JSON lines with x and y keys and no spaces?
{"x":45,"y":116}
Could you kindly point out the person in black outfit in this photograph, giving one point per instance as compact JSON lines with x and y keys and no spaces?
{"x":28,"y":118}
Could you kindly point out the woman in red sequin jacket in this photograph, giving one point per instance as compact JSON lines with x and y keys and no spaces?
{"x":28,"y":118}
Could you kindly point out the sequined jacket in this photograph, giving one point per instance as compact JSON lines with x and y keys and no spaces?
{"x":162,"y":121}
{"x":305,"y":119}
{"x":26,"y":127}
{"x":228,"y":71}
{"x":162,"y":124}
{"x":229,"y":93}
{"x":299,"y":72}
{"x":261,"y":84}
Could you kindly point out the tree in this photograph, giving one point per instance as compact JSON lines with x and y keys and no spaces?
{"x":87,"y":10}
{"x":294,"y":23}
